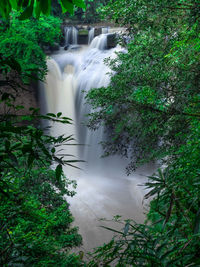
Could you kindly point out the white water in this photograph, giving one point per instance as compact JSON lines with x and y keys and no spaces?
{"x":90,"y":35}
{"x":105,"y":30}
{"x":103,"y":189}
{"x":99,"y":42}
{"x":71,"y":35}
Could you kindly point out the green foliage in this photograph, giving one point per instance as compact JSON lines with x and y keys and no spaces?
{"x":154,"y":91}
{"x":91,"y":14}
{"x":143,"y":245}
{"x":151,"y":111}
{"x":35,"y":218}
{"x":25,"y":41}
{"x":28,"y":8}
{"x":171,"y":236}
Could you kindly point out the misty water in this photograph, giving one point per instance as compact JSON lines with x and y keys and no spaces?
{"x":103,"y":188}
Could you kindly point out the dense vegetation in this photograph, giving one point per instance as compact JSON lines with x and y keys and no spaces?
{"x":151,"y":111}
{"x":90,"y":14}
{"x":35,"y":220}
{"x":25,"y":40}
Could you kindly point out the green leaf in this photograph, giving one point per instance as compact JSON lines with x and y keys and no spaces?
{"x":13,"y":3}
{"x":7,"y":145}
{"x":45,"y":6}
{"x":27,"y":148}
{"x":79,"y":3}
{"x":58,"y":172}
{"x":53,"y":150}
{"x":59,"y":114}
{"x":37,"y":9}
{"x":67,"y":6}
{"x":5,"y":8}
{"x":13,"y":158}
{"x":5,"y":96}
{"x":14,"y":64}
{"x":111,"y":229}
{"x":27,"y":13}
{"x":30,"y":159}
{"x":51,"y":115}
{"x":25,"y":3}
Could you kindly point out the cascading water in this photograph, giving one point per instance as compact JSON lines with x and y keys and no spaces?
{"x":71,"y":35}
{"x":90,"y":35}
{"x":105,"y":30}
{"x":103,"y":188}
{"x":99,"y":42}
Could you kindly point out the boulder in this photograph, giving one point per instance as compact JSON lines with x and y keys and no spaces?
{"x":54,"y":47}
{"x":75,"y":47}
{"x":82,"y":39}
{"x":66,"y":47}
{"x":46,"y":49}
{"x":83,"y":36}
{"x":97,"y":31}
{"x":111,"y":40}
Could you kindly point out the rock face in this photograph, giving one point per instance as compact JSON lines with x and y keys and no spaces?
{"x":97,"y":31}
{"x":54,"y":47}
{"x":82,"y":39}
{"x":111,"y":40}
{"x":75,"y":47}
{"x":25,"y":95}
{"x":83,"y":36}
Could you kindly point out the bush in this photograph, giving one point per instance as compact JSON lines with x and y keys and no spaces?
{"x":25,"y":41}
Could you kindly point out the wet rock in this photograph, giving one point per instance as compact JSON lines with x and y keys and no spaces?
{"x":111,"y":40}
{"x":66,"y":47}
{"x":83,"y":39}
{"x":97,"y":31}
{"x":75,"y":47}
{"x":83,"y":36}
{"x":45,"y":48}
{"x":54,"y":47}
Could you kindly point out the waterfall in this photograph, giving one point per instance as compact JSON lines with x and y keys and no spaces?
{"x":99,"y":42}
{"x":105,"y":30}
{"x":71,"y":35}
{"x":90,"y":35}
{"x":103,"y":189}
